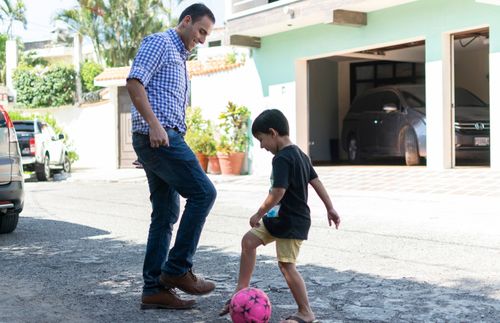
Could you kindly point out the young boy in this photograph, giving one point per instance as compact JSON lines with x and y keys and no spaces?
{"x":284,"y":217}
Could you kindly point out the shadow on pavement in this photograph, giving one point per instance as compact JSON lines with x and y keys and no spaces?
{"x":69,"y":272}
{"x":55,"y":177}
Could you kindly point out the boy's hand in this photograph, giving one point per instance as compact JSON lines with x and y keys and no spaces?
{"x":333,"y":216}
{"x":254,"y":220}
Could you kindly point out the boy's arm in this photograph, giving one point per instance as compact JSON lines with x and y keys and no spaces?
{"x":323,"y":195}
{"x":273,"y":198}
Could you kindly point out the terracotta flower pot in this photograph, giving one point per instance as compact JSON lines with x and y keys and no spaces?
{"x":213,"y":165}
{"x":231,"y":164}
{"x":203,"y":160}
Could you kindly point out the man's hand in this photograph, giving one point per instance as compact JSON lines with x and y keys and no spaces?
{"x":254,"y":220}
{"x":333,"y":217}
{"x":158,"y":137}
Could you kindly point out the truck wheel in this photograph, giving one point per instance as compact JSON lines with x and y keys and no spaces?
{"x":43,"y":170}
{"x":8,"y":222}
{"x":66,"y":164}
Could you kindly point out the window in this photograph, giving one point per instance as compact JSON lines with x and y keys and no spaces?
{"x":215,"y":43}
{"x":23,"y":126}
{"x":372,"y":74}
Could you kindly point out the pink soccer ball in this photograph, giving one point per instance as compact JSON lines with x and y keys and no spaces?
{"x":250,"y":305}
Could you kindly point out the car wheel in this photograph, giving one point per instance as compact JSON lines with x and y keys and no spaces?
{"x":353,"y":150}
{"x":8,"y":222}
{"x":43,"y":170}
{"x":411,"y":148}
{"x":66,"y":164}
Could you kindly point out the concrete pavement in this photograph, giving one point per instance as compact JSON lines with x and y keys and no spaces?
{"x":466,"y":181}
{"x":414,"y":246}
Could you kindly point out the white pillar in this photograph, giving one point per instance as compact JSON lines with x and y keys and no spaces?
{"x":438,"y":109}
{"x":113,"y":94}
{"x":11,"y":64}
{"x":77,"y":60}
{"x":495,"y":111}
{"x":301,"y":105}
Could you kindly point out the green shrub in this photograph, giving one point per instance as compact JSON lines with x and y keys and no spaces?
{"x":88,"y":71}
{"x":50,"y":87}
{"x":200,"y":133}
{"x":26,"y":82}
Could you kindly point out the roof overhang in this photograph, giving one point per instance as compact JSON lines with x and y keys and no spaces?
{"x":285,"y":15}
{"x":117,"y":76}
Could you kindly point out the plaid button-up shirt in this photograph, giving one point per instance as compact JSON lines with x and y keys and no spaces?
{"x":160,"y":65}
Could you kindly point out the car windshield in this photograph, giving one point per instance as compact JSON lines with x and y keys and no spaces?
{"x":414,"y":96}
{"x":464,"y":98}
{"x":24,"y":126}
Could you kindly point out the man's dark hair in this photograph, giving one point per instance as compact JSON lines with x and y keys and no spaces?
{"x":268,"y":119}
{"x":197,"y":11}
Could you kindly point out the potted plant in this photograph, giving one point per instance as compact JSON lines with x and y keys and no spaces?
{"x":207,"y":146}
{"x":199,"y":136}
{"x":234,"y":139}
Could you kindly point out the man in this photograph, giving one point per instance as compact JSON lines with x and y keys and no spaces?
{"x":158,"y":86}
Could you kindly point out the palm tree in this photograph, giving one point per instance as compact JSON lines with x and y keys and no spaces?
{"x":12,"y":12}
{"x":116,"y":27}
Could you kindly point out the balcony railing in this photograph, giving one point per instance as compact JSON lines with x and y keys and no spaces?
{"x":252,"y":6}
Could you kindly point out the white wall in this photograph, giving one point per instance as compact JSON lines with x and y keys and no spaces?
{"x":241,"y":85}
{"x":90,"y":129}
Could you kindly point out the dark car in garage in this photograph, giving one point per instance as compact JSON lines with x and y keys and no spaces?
{"x":390,"y":121}
{"x":11,"y":175}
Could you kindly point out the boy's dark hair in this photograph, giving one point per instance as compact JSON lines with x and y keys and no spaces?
{"x":197,"y":11}
{"x":268,"y":119}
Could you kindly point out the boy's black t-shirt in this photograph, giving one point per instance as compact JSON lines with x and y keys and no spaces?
{"x":292,"y":170}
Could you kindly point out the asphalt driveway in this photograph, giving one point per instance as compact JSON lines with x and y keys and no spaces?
{"x":414,"y":245}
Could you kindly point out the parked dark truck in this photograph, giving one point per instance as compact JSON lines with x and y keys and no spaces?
{"x":11,"y":175}
{"x":42,"y":150}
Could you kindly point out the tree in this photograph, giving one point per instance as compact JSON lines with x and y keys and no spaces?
{"x":116,"y":27}
{"x":12,"y":12}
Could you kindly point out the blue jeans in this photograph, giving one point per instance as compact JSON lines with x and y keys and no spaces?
{"x":171,"y":171}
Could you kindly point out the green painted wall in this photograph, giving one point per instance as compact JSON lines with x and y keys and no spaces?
{"x":424,"y":18}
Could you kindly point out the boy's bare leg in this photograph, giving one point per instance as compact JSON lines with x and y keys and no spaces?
{"x":298,"y":289}
{"x":249,"y":245}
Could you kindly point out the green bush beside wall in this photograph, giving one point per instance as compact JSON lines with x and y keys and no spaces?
{"x":50,"y":87}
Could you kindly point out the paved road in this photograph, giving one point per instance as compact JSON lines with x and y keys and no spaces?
{"x":427,"y":252}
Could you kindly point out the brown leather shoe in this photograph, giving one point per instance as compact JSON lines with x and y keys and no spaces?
{"x":166,"y":298}
{"x":188,"y":283}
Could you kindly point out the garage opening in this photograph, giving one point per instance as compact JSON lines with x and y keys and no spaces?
{"x":471,"y":98}
{"x":378,"y":130}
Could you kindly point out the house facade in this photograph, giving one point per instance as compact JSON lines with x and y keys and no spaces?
{"x":314,"y":56}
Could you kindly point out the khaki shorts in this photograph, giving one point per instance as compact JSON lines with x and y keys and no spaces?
{"x":287,"y":250}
